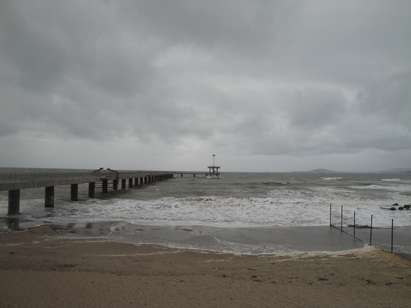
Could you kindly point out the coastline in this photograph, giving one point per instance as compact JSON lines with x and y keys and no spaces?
{"x":41,"y":269}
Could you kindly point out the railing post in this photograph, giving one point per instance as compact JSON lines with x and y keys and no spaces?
{"x":354,"y":225}
{"x":371,"y":232}
{"x":392,"y":235}
{"x":330,"y":216}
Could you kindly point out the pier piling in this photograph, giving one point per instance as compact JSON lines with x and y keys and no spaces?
{"x":105,"y":186}
{"x":14,"y":202}
{"x":49,"y":196}
{"x":123,"y":184}
{"x":91,"y":189}
{"x":115,"y":184}
{"x":74,"y":192}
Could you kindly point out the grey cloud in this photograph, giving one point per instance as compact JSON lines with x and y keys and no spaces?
{"x":246,"y":77}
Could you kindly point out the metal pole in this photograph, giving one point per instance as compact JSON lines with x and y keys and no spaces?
{"x":371,"y":232}
{"x":392,"y":235}
{"x":354,"y":225}
{"x":341,"y":226}
{"x":330,"y":216}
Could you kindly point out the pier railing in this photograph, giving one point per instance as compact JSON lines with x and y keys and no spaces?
{"x":385,"y":236}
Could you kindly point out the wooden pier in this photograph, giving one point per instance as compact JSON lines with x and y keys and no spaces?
{"x":193,"y":174}
{"x":15,"y":182}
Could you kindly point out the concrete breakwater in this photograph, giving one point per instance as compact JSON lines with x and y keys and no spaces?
{"x":14,"y":182}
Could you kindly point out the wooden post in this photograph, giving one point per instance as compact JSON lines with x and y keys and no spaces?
{"x":123,"y":184}
{"x":330,"y":217}
{"x":341,"y":226}
{"x":136,"y":181}
{"x":130,"y":182}
{"x":91,"y":189}
{"x":115,"y":184}
{"x":392,"y":235}
{"x":371,"y":232}
{"x":14,"y":202}
{"x":74,"y":192}
{"x":49,"y":196}
{"x":354,"y":225}
{"x":105,"y":186}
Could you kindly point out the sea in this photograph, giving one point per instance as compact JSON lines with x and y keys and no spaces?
{"x":246,"y":213}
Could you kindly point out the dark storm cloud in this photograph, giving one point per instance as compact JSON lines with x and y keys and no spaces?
{"x":247,"y":77}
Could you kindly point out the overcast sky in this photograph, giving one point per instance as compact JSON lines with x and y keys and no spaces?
{"x":266,"y":85}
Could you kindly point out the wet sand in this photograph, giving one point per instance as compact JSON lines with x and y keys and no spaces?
{"x":40,"y":269}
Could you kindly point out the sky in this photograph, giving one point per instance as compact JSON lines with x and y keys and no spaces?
{"x":277,"y":85}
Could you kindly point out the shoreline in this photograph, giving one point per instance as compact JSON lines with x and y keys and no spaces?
{"x":241,"y":241}
{"x":261,"y":240}
{"x":39,"y":268}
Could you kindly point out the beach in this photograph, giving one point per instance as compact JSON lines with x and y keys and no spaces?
{"x":40,"y":268}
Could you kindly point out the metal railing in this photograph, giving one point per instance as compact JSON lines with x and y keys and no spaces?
{"x":379,"y":236}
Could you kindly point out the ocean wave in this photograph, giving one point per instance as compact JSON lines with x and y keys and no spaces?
{"x":396,"y":188}
{"x":391,"y":180}
{"x":285,"y":207}
{"x":332,"y":178}
{"x":275,"y":183}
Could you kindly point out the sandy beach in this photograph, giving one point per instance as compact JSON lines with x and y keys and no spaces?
{"x":41,"y":269}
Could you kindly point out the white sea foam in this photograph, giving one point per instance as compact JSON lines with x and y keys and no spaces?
{"x":391,"y":180}
{"x":332,"y":178}
{"x":278,"y":205}
{"x":390,"y":187}
{"x":282,"y":207}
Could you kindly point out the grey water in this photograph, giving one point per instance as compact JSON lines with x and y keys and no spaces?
{"x":233,"y":213}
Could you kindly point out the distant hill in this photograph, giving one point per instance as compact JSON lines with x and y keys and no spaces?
{"x":397,"y":170}
{"x":320,"y":170}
